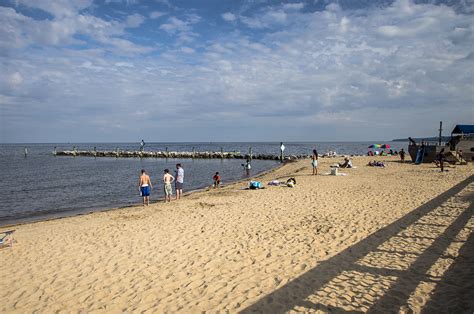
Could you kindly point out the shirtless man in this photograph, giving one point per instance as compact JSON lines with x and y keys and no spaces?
{"x":144,"y":186}
{"x":167,"y":180}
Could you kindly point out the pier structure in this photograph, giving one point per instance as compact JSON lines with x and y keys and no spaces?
{"x":167,"y":154}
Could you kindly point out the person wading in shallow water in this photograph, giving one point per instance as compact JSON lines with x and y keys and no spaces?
{"x":144,"y":186}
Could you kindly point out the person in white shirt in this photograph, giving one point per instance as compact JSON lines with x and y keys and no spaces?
{"x":179,"y":181}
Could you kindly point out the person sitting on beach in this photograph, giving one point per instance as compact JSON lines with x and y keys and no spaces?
{"x":217,"y":180}
{"x":376,"y":164}
{"x":144,"y":186}
{"x":346,"y":164}
{"x":167,"y":180}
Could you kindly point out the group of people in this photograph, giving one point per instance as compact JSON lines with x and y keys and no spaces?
{"x":145,"y":186}
{"x":314,"y":162}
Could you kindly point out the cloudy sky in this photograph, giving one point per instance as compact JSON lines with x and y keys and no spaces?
{"x":215,"y":70}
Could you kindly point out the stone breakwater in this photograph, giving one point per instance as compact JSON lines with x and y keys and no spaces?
{"x":161,"y":154}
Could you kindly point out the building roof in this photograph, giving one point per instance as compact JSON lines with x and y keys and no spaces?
{"x":463,"y":129}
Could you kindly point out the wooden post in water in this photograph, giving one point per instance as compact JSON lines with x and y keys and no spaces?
{"x":440,"y":132}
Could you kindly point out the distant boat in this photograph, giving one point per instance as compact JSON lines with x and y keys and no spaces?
{"x":462,"y":139}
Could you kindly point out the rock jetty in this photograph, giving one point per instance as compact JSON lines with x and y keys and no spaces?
{"x":161,"y":154}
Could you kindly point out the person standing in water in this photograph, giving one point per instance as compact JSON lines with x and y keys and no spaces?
{"x":144,"y":186}
{"x":217,"y":180}
{"x":314,"y":162}
{"x":247,"y":166}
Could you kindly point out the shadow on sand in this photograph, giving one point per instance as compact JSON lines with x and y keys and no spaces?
{"x":396,"y":283}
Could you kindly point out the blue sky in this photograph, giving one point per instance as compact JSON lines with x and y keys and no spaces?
{"x":162,"y":70}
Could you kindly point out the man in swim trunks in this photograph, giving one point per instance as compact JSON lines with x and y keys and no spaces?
{"x":144,"y":186}
{"x":179,"y":181}
{"x":167,"y":180}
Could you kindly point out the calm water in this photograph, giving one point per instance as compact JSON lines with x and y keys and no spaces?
{"x":43,"y":186}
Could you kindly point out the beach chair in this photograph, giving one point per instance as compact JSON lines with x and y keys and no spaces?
{"x":6,"y":238}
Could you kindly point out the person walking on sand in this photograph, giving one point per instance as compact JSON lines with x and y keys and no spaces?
{"x":440,"y":159}
{"x":167,"y":180}
{"x":144,"y":186}
{"x":314,"y":162}
{"x":402,"y":156}
{"x":179,"y":175}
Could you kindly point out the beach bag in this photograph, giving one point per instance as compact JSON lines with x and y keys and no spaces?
{"x":253,"y":185}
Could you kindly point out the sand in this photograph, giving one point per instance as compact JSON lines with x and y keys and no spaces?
{"x":397,"y":239}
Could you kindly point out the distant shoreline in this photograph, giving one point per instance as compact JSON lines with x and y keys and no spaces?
{"x":418,"y":139}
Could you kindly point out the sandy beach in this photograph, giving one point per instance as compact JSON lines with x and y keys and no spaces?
{"x":394,"y":239}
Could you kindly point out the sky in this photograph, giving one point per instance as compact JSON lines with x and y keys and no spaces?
{"x":217,"y":70}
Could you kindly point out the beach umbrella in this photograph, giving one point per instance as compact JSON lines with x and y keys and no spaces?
{"x":385,"y":146}
{"x":375,"y":146}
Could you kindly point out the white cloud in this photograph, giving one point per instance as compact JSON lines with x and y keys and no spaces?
{"x":58,"y":8}
{"x":187,"y":50}
{"x":22,"y":31}
{"x":293,"y":6}
{"x":156,"y":14}
{"x":134,"y":20}
{"x":174,"y":25}
{"x":229,"y":17}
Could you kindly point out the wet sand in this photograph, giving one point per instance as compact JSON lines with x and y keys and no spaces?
{"x":394,"y":239}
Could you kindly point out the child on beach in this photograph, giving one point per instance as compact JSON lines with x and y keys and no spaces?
{"x":314,"y":162}
{"x":167,"y":180}
{"x":402,"y":156}
{"x":144,"y":186}
{"x":217,"y":180}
